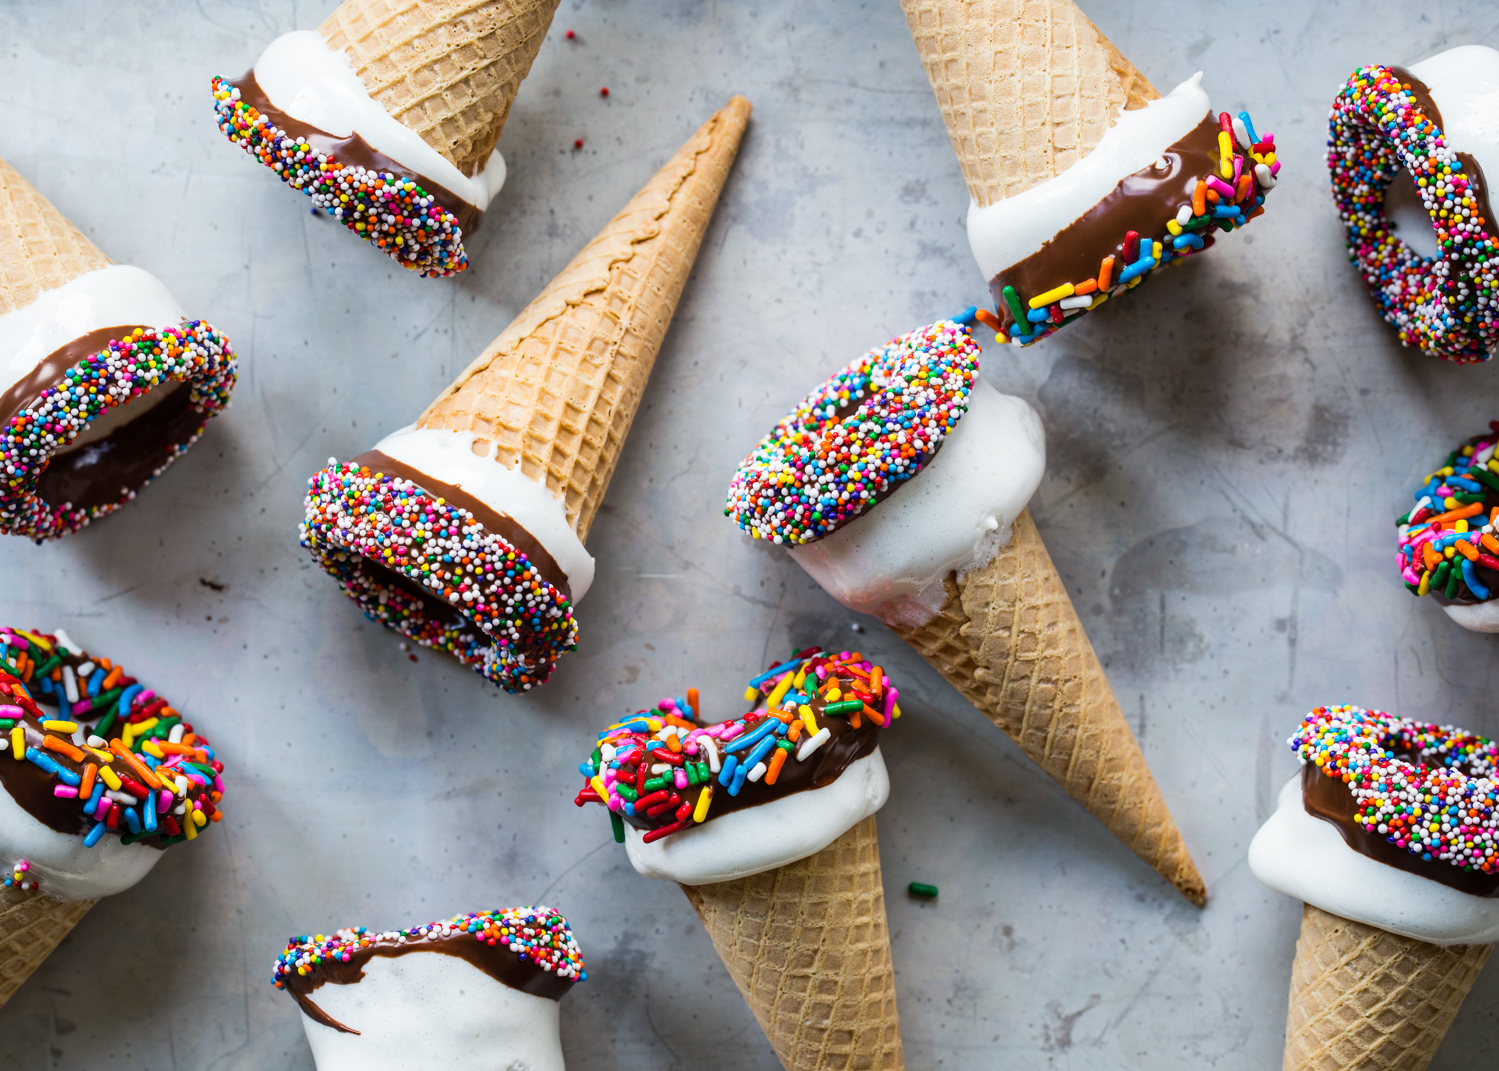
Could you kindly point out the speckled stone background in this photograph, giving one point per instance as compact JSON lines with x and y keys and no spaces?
{"x":1226,"y":451}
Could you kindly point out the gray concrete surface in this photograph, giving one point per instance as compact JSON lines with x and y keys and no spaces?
{"x":1227,"y":449}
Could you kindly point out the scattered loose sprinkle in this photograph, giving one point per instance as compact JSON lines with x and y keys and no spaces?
{"x":661,"y":770}
{"x":1433,"y":809}
{"x":121,"y":372}
{"x":578,"y":143}
{"x":604,"y":92}
{"x":857,"y":437}
{"x":1449,"y":543}
{"x":18,"y":878}
{"x":140,"y":771}
{"x":537,"y":935}
{"x":392,"y":211}
{"x":1447,"y":305}
{"x":916,"y":888}
{"x":385,"y":539}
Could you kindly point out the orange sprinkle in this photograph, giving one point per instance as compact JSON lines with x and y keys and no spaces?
{"x":62,"y":747}
{"x":874,"y":715}
{"x":674,"y":744}
{"x":1430,"y":556}
{"x":795,"y":730}
{"x":692,"y":702}
{"x":137,"y":767}
{"x":87,"y":784}
{"x":1472,"y":509}
{"x":1490,"y":542}
{"x":1105,"y":272}
{"x":1467,"y":550}
{"x":1087,"y":286}
{"x":1199,"y":199}
{"x":776,"y":762}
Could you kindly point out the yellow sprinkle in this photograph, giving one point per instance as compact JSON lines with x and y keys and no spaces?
{"x":34,"y":639}
{"x":808,"y":720}
{"x":1225,"y":155}
{"x":110,"y":778}
{"x":188,"y":825}
{"x":1155,"y":250}
{"x":145,"y":727}
{"x":69,"y":727}
{"x":704,"y":798}
{"x":18,"y":743}
{"x":103,"y":756}
{"x":1056,"y":293}
{"x":598,"y":786}
{"x":1173,"y":226}
{"x":154,"y":750}
{"x":778,"y":693}
{"x":750,"y":694}
{"x":895,"y":713}
{"x":1461,"y":526}
{"x":801,"y":678}
{"x":199,"y":818}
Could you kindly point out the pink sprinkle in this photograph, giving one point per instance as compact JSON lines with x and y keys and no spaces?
{"x":67,"y":792}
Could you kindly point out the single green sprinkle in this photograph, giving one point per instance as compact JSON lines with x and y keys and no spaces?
{"x":844,"y":706}
{"x":916,"y":888}
{"x":619,"y":827}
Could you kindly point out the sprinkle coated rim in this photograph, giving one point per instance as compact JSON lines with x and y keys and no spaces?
{"x":522,"y":623}
{"x":821,"y":465}
{"x":392,"y":212}
{"x":1449,"y":542}
{"x":1447,"y":305}
{"x":125,"y":369}
{"x":536,"y":935}
{"x":1431,"y":809}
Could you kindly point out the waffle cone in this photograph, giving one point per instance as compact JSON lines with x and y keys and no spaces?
{"x":808,"y":946}
{"x":1008,"y":638}
{"x":1027,"y":87}
{"x":448,"y":69}
{"x":557,"y":390}
{"x":31,"y":926}
{"x":1368,"y":999}
{"x":39,"y":249}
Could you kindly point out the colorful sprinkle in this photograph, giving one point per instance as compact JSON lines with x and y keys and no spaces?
{"x":391,"y":211}
{"x":1449,"y":542}
{"x":1433,"y":809}
{"x":368,"y":529}
{"x":856,"y":437}
{"x":1445,"y":306}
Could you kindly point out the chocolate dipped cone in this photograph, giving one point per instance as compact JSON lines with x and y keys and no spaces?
{"x":557,"y":390}
{"x":448,"y":69}
{"x":1026,"y":87}
{"x":1364,"y":998}
{"x":1009,"y":640}
{"x":32,"y":924}
{"x":808,"y":946}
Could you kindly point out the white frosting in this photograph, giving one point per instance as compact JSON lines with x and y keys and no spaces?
{"x":1480,"y":616}
{"x":309,"y":81}
{"x":449,"y":456}
{"x":1464,"y":84}
{"x":432,"y":1010}
{"x":956,"y":511}
{"x":761,"y":838}
{"x":1008,"y":231}
{"x":68,"y":869}
{"x":1303,"y":856}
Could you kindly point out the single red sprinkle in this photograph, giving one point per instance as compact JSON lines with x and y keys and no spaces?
{"x":604,"y":92}
{"x":578,"y":143}
{"x":570,"y":35}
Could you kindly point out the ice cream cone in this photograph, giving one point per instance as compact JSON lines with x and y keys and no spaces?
{"x":1026,"y":87}
{"x":808,"y":947}
{"x":1362,"y":997}
{"x":1009,"y":640}
{"x":32,"y":924}
{"x":557,"y":390}
{"x":448,"y":69}
{"x":39,"y":249}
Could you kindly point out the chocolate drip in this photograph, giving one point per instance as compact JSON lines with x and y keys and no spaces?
{"x":1477,"y":183}
{"x":499,"y":963}
{"x":1141,"y":202}
{"x":1330,"y":799}
{"x":501,"y":524}
{"x":355,"y":151}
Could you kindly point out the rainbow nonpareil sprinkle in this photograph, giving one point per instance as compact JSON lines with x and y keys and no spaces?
{"x":537,"y":935}
{"x":116,"y":754}
{"x":1433,"y":810}
{"x":392,"y":212}
{"x":121,"y":372}
{"x":395,"y":550}
{"x":1445,"y":306}
{"x":661,"y":770}
{"x":857,"y":437}
{"x":1449,"y":543}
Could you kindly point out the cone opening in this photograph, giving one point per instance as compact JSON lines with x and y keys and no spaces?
{"x":432,"y":572}
{"x":79,"y":441}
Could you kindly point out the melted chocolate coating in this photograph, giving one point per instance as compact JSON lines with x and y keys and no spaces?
{"x":1479,"y":185}
{"x":1141,"y":202}
{"x":355,"y":151}
{"x":1330,"y":799}
{"x":499,"y":963}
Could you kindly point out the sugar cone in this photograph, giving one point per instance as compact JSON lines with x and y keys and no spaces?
{"x":1009,"y":639}
{"x":557,"y":390}
{"x":809,"y":949}
{"x":448,"y":69}
{"x":1026,"y":87}
{"x":39,"y":249}
{"x":1367,"y":999}
{"x":31,"y":926}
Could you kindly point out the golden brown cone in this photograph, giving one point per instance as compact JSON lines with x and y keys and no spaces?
{"x":1010,"y":641}
{"x":1366,"y":999}
{"x":31,"y":926}
{"x":448,"y":69}
{"x":39,"y":249}
{"x":557,"y":390}
{"x":1027,"y":87}
{"x":808,"y":947}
